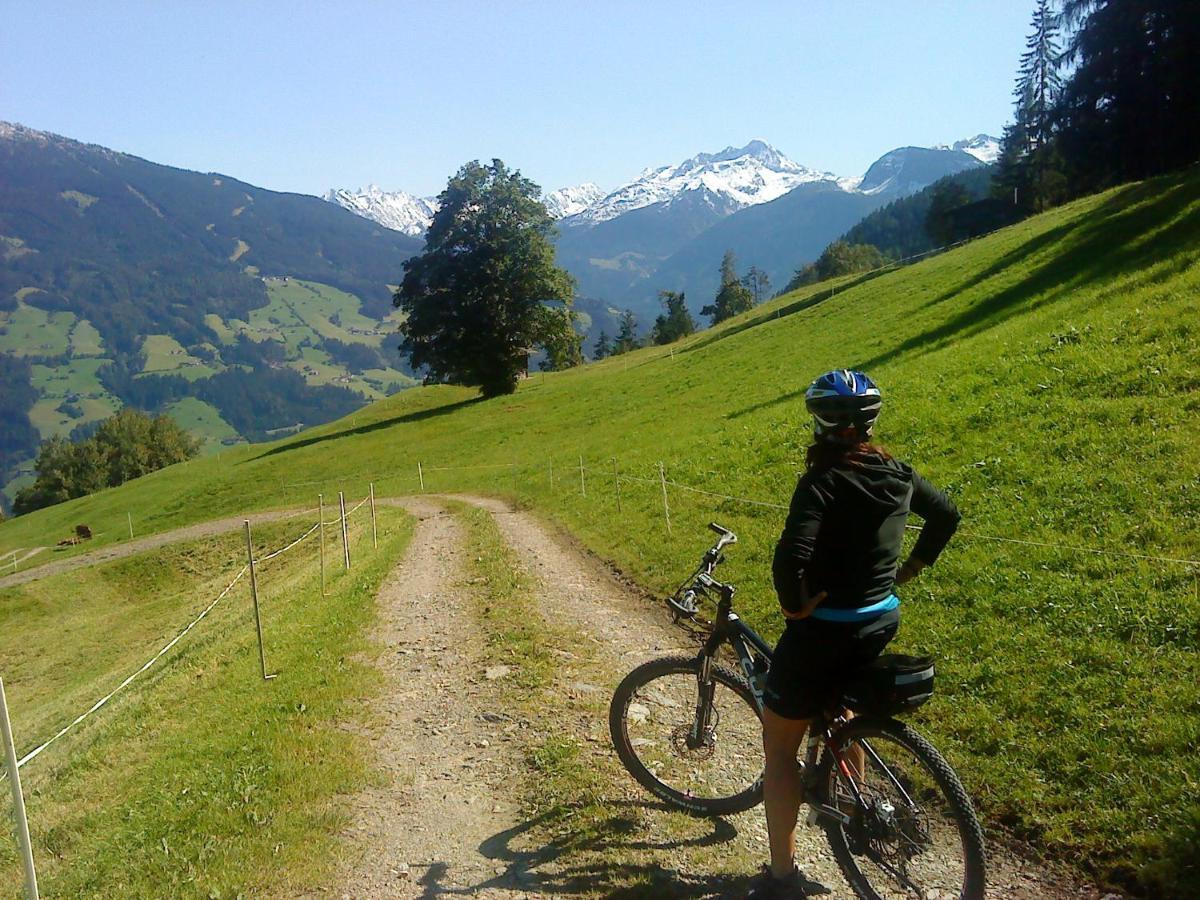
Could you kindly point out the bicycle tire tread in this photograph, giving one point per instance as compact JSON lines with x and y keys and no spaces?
{"x":948,"y":781}
{"x":644,"y":674}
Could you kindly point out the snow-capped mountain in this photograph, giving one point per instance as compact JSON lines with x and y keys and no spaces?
{"x":983,"y":147}
{"x":701,"y":190}
{"x":736,"y":177}
{"x":571,"y":200}
{"x":397,"y":210}
{"x":906,"y":170}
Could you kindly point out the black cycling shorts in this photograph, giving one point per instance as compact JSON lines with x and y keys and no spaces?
{"x":813,"y":658}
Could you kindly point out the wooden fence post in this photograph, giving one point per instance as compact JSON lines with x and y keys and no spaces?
{"x":582,"y":483}
{"x":374,"y":526}
{"x":345,"y":533}
{"x":262,"y":653}
{"x":617,"y":483}
{"x":421,"y":476}
{"x":321,"y":532}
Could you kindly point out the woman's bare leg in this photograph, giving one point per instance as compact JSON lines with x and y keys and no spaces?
{"x":782,"y":787}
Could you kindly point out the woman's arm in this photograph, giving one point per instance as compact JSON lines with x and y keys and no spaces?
{"x":795,"y":548}
{"x":941,"y":521}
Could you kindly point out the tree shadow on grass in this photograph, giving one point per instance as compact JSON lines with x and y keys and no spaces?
{"x":419,"y":415}
{"x":594,"y":860}
{"x":1109,"y":243}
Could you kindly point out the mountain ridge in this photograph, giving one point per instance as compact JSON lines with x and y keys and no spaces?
{"x":626,"y":245}
{"x":237,"y":309}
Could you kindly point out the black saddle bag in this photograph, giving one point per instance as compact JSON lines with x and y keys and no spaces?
{"x":890,"y":684}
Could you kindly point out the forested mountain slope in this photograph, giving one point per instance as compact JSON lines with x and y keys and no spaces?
{"x":1045,"y":375}
{"x":170,"y":278}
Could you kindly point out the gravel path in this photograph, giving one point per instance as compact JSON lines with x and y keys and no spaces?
{"x":447,"y":821}
{"x":445,"y":754}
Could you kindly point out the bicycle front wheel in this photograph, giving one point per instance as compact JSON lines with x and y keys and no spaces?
{"x":912,"y":830}
{"x":709,"y":771}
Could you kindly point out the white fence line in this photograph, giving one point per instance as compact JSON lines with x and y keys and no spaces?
{"x":283,"y":550}
{"x":974,"y":535}
{"x":33,"y":754}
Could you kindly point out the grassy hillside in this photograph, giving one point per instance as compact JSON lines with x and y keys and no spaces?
{"x":1048,"y":376}
{"x":199,"y":779}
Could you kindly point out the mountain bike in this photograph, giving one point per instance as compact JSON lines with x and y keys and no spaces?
{"x":689,"y":730}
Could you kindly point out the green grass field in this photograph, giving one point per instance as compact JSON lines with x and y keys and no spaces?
{"x":165,"y":355}
{"x":30,"y":331}
{"x":1047,"y":375}
{"x":200,"y":779}
{"x":76,"y":383}
{"x":86,"y":340}
{"x":300,"y":310}
{"x":302,"y":313}
{"x":202,"y":420}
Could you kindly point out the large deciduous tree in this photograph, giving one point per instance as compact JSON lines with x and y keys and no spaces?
{"x":478,"y":298}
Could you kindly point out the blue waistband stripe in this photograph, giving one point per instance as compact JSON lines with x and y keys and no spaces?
{"x":887,"y":604}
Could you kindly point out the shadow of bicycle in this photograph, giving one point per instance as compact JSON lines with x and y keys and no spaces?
{"x":595,"y":860}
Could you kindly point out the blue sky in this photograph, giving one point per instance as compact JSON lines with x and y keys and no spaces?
{"x":306,"y":96}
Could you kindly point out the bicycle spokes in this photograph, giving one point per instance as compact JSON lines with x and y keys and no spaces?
{"x":901,"y":829}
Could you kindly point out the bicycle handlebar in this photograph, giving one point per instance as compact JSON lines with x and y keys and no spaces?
{"x":684,"y":602}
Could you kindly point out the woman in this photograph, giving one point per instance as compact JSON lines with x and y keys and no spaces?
{"x":834,"y":570}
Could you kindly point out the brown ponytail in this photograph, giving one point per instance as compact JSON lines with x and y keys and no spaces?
{"x":828,"y":455}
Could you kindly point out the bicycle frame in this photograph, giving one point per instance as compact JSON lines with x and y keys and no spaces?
{"x":751,"y":650}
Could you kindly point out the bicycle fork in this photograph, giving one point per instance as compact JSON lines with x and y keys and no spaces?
{"x":702,"y":723}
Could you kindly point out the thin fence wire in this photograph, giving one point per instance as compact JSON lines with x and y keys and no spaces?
{"x":296,"y":542}
{"x":99,"y":704}
{"x":34,"y":753}
{"x":973,"y":535}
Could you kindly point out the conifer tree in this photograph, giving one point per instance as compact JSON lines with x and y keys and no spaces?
{"x":733,"y":297}
{"x":627,"y":338}
{"x":1038,"y":81}
{"x":758,"y":283}
{"x":1029,"y":166}
{"x":1131,"y":106}
{"x":676,"y":322}
{"x":603,"y":346}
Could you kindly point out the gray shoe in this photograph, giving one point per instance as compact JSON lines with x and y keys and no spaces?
{"x":766,"y":886}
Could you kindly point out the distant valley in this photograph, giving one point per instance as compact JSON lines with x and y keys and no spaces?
{"x":245,"y":313}
{"x":239,"y":311}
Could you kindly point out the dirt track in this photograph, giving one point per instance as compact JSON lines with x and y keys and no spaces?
{"x":448,"y":820}
{"x":141,"y":545}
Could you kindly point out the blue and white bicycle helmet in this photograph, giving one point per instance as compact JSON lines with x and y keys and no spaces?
{"x":844,"y":406}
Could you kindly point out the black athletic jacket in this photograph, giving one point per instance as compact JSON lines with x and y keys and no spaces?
{"x":844,"y":529}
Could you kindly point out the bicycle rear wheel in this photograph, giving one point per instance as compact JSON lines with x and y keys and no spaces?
{"x":915,"y":833}
{"x":652,"y":719}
